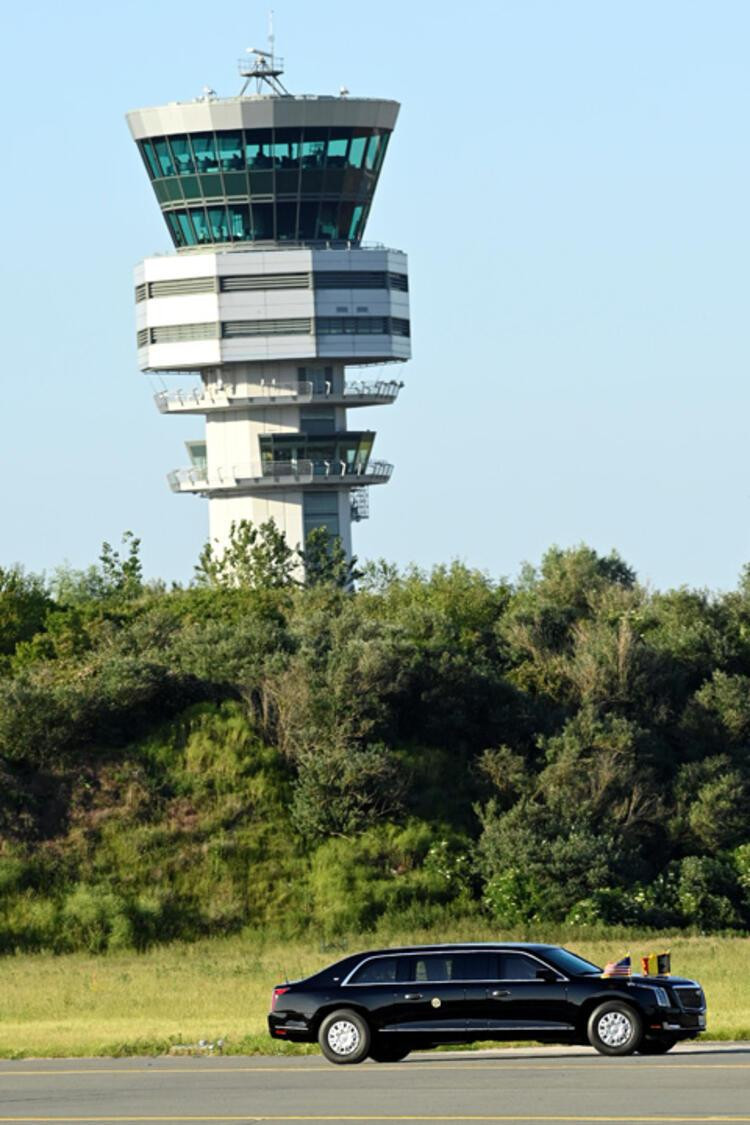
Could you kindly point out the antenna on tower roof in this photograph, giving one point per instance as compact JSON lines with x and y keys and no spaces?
{"x":264,"y":66}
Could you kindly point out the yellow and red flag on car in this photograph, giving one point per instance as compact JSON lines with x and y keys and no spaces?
{"x":656,"y":965}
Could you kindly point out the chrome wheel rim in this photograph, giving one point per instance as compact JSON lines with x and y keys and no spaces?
{"x":614,"y":1029}
{"x":343,"y":1037}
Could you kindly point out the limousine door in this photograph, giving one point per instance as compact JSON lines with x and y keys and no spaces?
{"x":411,"y":994}
{"x":525,"y":997}
{"x":432,"y":1002}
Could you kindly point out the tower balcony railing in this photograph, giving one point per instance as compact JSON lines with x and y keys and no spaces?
{"x":279,"y":474}
{"x":270,"y":245}
{"x":203,"y":400}
{"x":360,"y":392}
{"x":188,"y":480}
{"x":320,"y":471}
{"x":200,"y":400}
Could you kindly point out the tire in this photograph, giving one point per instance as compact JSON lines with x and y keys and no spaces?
{"x":614,"y":1028}
{"x":656,"y":1046}
{"x":344,"y":1037}
{"x":388,"y":1052}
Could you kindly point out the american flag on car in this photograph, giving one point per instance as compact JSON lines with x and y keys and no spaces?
{"x":621,"y":968}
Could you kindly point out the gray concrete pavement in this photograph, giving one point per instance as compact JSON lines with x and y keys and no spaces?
{"x":710,"y":1083}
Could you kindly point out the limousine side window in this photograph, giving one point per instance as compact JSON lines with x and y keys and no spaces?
{"x":516,"y":966}
{"x":476,"y":966}
{"x":441,"y":967}
{"x":434,"y":968}
{"x":456,"y":966}
{"x":382,"y":970}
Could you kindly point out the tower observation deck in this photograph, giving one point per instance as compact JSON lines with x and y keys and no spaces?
{"x":270,"y":294}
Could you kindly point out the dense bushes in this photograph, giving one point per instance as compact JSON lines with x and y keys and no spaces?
{"x":254,"y":751}
{"x":387,"y":871}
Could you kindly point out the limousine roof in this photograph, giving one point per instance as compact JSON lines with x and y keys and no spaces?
{"x":456,"y":946}
{"x":349,"y":962}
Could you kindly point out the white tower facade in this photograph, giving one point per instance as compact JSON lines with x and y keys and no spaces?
{"x":269,"y":296}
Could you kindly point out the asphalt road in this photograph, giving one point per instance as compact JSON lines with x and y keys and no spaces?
{"x":693,"y":1084}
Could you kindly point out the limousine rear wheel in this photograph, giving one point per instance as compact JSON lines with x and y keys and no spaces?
{"x":614,"y":1028}
{"x":344,"y":1037}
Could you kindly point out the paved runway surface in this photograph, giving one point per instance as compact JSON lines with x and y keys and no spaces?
{"x":693,"y":1084}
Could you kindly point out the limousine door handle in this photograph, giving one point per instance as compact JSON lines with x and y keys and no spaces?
{"x":412,"y":996}
{"x":500,"y":993}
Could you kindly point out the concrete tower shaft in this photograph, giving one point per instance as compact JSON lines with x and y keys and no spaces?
{"x":271,"y":294}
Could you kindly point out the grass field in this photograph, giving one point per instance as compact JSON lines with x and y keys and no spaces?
{"x":130,"y":1003}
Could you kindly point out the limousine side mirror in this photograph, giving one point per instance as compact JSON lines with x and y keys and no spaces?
{"x":548,"y":975}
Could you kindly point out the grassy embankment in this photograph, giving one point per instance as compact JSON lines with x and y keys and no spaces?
{"x":128,"y":1003}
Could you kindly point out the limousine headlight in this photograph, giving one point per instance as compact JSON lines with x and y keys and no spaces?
{"x":662,"y":996}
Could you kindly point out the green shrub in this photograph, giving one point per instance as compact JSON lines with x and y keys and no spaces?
{"x":94,"y":919}
{"x":608,"y":907}
{"x":24,"y":602}
{"x":514,"y":898}
{"x":704,"y":893}
{"x":537,"y":866}
{"x":28,"y":922}
{"x":340,"y":791}
{"x":13,"y":874}
{"x":384,"y":873}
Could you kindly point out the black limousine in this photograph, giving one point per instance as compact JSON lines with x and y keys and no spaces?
{"x":388,"y":1002}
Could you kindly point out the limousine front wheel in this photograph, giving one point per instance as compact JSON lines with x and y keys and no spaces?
{"x":344,"y":1037}
{"x":614,"y":1028}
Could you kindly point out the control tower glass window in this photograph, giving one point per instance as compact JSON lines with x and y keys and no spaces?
{"x":260,"y":185}
{"x":183,"y":155}
{"x":204,"y":147}
{"x":231,"y":154}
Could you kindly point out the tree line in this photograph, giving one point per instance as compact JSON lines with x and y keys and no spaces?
{"x":292,"y":741}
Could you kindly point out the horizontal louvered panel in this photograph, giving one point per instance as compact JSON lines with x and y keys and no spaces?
{"x":142,"y":337}
{"x":398,"y":281}
{"x":140,"y":293}
{"x":176,"y":333}
{"x":265,"y":281}
{"x":360,"y":279}
{"x":180,"y":286}
{"x":294,"y":326}
{"x":350,"y":279}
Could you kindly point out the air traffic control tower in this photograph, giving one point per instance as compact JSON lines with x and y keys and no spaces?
{"x":270,"y":295}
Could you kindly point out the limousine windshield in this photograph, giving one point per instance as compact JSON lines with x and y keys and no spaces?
{"x":573,"y":964}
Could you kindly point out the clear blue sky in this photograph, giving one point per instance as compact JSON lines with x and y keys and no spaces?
{"x":570,"y":180}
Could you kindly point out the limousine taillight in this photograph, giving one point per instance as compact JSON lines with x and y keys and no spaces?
{"x":277,"y":992}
